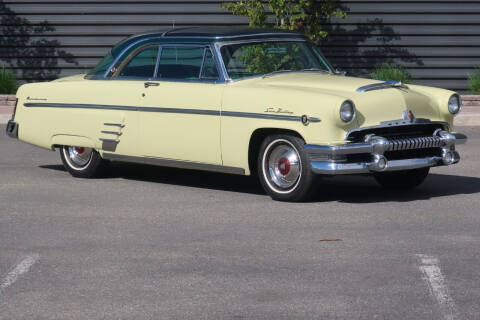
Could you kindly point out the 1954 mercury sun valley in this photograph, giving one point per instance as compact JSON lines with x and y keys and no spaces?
{"x":239,"y":101}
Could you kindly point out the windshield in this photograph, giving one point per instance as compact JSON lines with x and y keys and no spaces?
{"x":260,"y":58}
{"x":101,"y":67}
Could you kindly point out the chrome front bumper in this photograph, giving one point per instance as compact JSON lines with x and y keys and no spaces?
{"x":334,"y":160}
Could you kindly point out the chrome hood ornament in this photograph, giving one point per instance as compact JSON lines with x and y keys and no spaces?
{"x":383,"y":85}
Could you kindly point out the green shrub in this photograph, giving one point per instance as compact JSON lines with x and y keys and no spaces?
{"x":390,"y":71}
{"x":8,"y":82}
{"x":475,"y":81}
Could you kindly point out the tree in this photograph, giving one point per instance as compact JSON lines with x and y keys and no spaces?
{"x":307,"y":16}
{"x":21,"y":47}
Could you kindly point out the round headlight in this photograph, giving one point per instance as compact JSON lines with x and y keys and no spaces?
{"x":347,"y":111}
{"x":454,"y":104}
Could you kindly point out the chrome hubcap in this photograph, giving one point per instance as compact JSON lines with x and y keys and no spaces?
{"x":283,"y":165}
{"x":79,"y":156}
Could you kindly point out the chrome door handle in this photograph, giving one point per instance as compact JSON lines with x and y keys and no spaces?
{"x":151,"y":84}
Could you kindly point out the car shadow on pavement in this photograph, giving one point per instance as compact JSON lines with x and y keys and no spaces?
{"x":364,"y":189}
{"x":350,"y":189}
{"x":180,"y":177}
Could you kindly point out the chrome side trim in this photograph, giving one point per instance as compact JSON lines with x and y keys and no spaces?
{"x":174,"y":163}
{"x":120,"y":125}
{"x":172,"y":110}
{"x":112,"y":132}
{"x":332,"y":168}
{"x":109,"y":140}
{"x":383,"y":85}
{"x":78,"y":106}
{"x":266,"y":116}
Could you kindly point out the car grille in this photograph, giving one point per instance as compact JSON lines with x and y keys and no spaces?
{"x":404,"y":141}
{"x":414,"y":143}
{"x":400,"y":132}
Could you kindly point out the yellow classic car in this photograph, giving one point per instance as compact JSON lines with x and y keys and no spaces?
{"x":239,"y":101}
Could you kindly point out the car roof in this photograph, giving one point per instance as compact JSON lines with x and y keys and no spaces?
{"x":207,"y":35}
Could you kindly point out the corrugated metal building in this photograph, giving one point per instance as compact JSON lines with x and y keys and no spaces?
{"x":439,"y":41}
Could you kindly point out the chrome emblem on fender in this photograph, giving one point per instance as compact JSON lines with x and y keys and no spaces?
{"x":408,"y":115}
{"x":278,"y":110}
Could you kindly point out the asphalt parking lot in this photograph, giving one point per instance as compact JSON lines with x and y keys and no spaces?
{"x":155,"y":243}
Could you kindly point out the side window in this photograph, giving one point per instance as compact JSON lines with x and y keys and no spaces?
{"x":209,"y":69}
{"x":180,"y":62}
{"x":142,"y":65}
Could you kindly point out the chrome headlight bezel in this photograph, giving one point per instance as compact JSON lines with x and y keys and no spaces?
{"x":454,"y":104}
{"x":347,"y":111}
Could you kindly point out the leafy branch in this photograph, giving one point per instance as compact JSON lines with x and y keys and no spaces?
{"x":307,"y":16}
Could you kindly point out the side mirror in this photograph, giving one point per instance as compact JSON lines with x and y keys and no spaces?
{"x":340,"y":72}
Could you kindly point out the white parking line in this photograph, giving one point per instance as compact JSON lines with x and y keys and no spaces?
{"x":436,"y":282}
{"x":17,"y":271}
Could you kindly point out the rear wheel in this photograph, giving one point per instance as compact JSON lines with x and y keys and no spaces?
{"x":283,"y":168}
{"x":82,"y":162}
{"x":407,"y":179}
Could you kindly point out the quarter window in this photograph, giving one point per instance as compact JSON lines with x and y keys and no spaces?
{"x":142,"y":65}
{"x":209,"y":69}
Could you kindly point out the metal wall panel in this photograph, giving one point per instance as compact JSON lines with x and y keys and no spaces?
{"x":438,"y":41}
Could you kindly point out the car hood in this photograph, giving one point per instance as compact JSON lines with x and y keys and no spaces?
{"x":76,"y":77}
{"x":318,"y":80}
{"x":372,"y":107}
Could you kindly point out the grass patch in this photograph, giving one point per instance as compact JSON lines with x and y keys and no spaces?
{"x":8,"y":82}
{"x":474,"y":81}
{"x":390,"y":71}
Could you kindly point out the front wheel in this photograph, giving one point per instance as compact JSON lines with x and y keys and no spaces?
{"x":82,"y":162}
{"x":407,"y":179}
{"x":283,"y":168}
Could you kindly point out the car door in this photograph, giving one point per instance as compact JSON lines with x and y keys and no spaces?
{"x":179,"y":112}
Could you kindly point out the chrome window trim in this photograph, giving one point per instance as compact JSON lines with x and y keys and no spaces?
{"x":220,"y":80}
{"x":123,"y":52}
{"x":218,"y":57}
{"x":157,"y":63}
{"x":130,"y":57}
{"x":245,"y":35}
{"x":213,"y":46}
{"x":200,"y":79}
{"x":203,"y":62}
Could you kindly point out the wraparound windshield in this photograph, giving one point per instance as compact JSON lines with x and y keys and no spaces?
{"x":259,"y":58}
